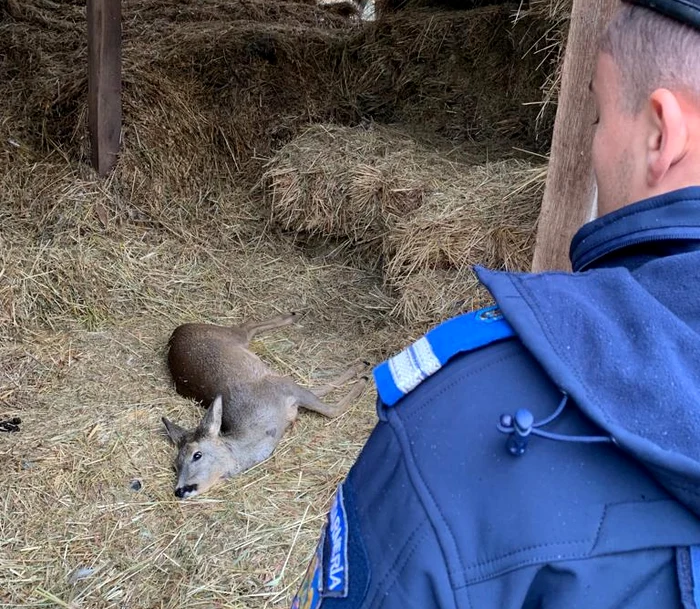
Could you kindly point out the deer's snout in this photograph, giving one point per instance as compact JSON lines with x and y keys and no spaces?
{"x":182,"y":491}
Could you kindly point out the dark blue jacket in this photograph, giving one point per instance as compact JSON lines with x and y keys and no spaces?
{"x":548,"y":457}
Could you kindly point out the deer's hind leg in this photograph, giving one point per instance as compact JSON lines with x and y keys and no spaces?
{"x":310,"y":399}
{"x":341,"y":379}
{"x":253,"y":328}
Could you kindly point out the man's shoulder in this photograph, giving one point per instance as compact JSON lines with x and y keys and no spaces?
{"x":437,"y":474}
{"x":454,"y":430}
{"x":404,"y":372}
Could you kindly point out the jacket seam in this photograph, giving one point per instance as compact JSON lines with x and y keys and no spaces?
{"x":403,"y":558}
{"x":413,"y":473}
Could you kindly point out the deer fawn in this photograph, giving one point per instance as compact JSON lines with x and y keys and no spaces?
{"x":249,"y":406}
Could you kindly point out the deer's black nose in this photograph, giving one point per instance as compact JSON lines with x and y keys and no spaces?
{"x":181,"y":491}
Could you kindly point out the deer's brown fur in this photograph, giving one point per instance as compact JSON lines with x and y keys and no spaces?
{"x":249,"y":405}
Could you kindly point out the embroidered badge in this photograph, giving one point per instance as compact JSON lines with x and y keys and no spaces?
{"x":335,"y":567}
{"x":309,"y":594}
{"x":490,"y":314}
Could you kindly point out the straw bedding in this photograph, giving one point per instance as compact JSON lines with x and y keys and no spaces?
{"x":86,"y":313}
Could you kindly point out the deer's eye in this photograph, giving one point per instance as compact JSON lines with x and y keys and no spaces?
{"x":197,"y":456}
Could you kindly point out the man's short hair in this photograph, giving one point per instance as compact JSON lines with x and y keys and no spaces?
{"x":652,"y":51}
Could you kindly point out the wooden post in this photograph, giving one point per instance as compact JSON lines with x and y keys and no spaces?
{"x":104,"y":82}
{"x":570,"y":189}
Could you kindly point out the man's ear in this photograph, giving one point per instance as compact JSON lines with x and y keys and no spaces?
{"x":667,"y":139}
{"x":176,"y":433}
{"x":210,"y":424}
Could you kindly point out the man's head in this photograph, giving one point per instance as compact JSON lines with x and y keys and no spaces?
{"x":647,"y":91}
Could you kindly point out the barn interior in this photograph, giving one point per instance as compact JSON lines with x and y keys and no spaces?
{"x":276,"y":155}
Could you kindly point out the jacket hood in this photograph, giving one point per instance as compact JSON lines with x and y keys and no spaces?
{"x":621,"y":334}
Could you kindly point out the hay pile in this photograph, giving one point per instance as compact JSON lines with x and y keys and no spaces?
{"x":427,"y":219}
{"x":214,"y":74}
{"x":244,"y":77}
{"x":87,"y":301}
{"x":469,"y":76}
{"x":94,"y":275}
{"x":389,"y":6}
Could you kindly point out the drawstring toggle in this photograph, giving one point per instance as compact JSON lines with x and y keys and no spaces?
{"x":522,"y":426}
{"x":519,"y":428}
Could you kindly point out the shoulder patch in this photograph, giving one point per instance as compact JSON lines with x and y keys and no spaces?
{"x":335,"y":563}
{"x":327,"y":575}
{"x":401,"y":374}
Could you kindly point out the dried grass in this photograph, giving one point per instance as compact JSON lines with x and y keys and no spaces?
{"x":86,"y":309}
{"x":551,"y":9}
{"x":479,"y":215}
{"x":550,"y":48}
{"x":466,"y":75}
{"x":74,"y":532}
{"x":94,"y":275}
{"x":386,"y":7}
{"x":471,"y":214}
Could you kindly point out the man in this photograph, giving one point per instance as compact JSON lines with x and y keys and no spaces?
{"x":546,"y":453}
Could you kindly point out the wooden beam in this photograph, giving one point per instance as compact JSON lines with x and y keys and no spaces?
{"x":104,"y":82}
{"x":570,"y":189}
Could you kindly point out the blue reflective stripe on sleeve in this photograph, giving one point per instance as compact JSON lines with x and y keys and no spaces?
{"x":402,"y":373}
{"x":695,"y":567}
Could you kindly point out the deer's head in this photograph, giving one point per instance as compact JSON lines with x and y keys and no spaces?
{"x":203,"y":459}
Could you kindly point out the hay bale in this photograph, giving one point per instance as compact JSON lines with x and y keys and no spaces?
{"x":347,"y":183}
{"x":484,"y":212}
{"x":485,"y":215}
{"x":428,"y":219}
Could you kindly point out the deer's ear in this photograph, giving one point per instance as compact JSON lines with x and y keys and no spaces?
{"x":176,"y":433}
{"x":211,"y":422}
